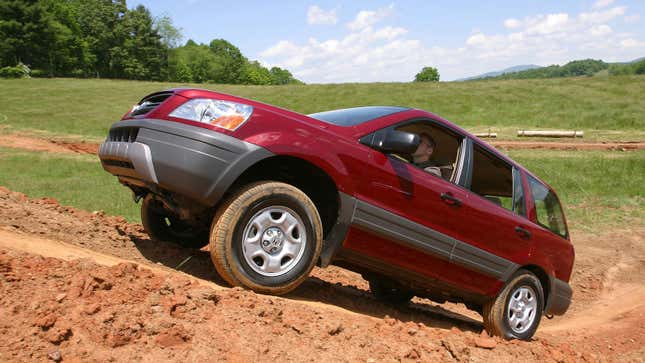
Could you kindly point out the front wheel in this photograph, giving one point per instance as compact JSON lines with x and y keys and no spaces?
{"x":266,"y":237}
{"x":516,"y":312}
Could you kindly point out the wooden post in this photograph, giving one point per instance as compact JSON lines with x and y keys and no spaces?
{"x":487,"y":134}
{"x":556,"y":133}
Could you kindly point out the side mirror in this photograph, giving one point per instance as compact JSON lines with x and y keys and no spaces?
{"x":392,"y":141}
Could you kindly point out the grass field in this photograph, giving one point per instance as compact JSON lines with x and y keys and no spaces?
{"x":76,"y":180}
{"x":598,"y":189}
{"x":610,"y":108}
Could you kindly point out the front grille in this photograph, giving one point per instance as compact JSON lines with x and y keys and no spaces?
{"x":123,"y":134}
{"x":149,"y":103}
{"x":119,"y":163}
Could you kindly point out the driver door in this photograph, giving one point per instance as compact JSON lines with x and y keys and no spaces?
{"x":407,"y":218}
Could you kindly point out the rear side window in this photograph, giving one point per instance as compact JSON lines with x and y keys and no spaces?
{"x":547,"y":208}
{"x":495,"y":180}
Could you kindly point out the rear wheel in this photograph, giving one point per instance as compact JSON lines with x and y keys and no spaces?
{"x":389,"y":292}
{"x":163,"y":225}
{"x":266,"y":237}
{"x":516,"y":312}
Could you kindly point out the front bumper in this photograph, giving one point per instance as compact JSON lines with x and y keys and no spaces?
{"x":192,"y":161}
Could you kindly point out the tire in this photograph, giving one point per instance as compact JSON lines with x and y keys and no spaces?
{"x":167,"y":227}
{"x":524,"y":291}
{"x":266,"y":237}
{"x":389,"y":292}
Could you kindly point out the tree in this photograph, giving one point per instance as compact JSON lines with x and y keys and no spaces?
{"x":170,"y":36}
{"x":255,"y":73}
{"x":282,"y":76}
{"x":427,"y":74}
{"x":69,"y":54}
{"x":639,"y":67}
{"x":139,"y":53}
{"x":231,"y":60}
{"x":585,"y":67}
{"x":25,"y":33}
{"x":195,"y":63}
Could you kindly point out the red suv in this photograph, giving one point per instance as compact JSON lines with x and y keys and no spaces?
{"x":417,"y":205}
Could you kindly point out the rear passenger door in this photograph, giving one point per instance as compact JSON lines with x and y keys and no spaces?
{"x":494,"y":230}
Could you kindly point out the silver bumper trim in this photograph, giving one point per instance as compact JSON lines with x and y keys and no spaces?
{"x":137,"y":153}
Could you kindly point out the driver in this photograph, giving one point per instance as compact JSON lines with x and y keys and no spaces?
{"x":421,"y":157}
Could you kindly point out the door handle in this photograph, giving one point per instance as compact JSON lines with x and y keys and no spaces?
{"x":524,"y":233}
{"x":450,"y":199}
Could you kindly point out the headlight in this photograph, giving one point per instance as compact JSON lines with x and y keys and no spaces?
{"x":225,"y":114}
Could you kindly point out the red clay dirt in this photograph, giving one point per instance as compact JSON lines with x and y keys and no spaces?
{"x":568,"y":145}
{"x":83,"y":286}
{"x":48,"y":145}
{"x":60,"y":146}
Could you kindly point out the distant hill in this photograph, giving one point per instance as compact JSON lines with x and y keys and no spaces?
{"x":576,"y":68}
{"x":513,"y":69}
{"x":584,"y":67}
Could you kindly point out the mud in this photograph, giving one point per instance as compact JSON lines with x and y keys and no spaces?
{"x":82,"y":286}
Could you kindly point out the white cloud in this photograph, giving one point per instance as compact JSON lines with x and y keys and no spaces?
{"x":632,"y":18}
{"x":283,"y":48}
{"x":547,"y":24}
{"x":631,"y":43}
{"x":600,"y":30}
{"x":366,"y":18}
{"x":602,"y":4}
{"x":318,"y":16}
{"x":374,"y":48}
{"x":516,"y":37}
{"x":602,"y":16}
{"x":390,"y":33}
{"x":476,"y":39}
{"x":512,"y":23}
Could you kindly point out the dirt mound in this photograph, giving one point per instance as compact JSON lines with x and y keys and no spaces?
{"x":65,"y":308}
{"x":48,"y":145}
{"x":78,"y":310}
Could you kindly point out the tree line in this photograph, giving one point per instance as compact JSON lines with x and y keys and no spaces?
{"x":105,"y":39}
{"x":585,"y":67}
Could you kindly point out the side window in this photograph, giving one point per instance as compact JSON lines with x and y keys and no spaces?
{"x":548,"y":210}
{"x":495,"y":180}
{"x":439,"y":149}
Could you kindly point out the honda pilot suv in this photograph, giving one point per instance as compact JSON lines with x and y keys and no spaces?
{"x":274,"y":193}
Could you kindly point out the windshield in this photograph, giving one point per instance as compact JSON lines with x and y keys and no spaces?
{"x":355,"y":116}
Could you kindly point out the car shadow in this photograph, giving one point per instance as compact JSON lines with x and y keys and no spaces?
{"x":198,"y":263}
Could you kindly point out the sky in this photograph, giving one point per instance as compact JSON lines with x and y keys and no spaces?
{"x":390,"y":41}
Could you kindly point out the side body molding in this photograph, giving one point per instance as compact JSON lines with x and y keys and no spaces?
{"x":424,"y":239}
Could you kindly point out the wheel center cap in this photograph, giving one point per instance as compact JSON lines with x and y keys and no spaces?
{"x":272,"y":239}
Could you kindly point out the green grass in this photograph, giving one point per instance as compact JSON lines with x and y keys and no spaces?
{"x":75,"y":180}
{"x":604,"y":107}
{"x":599,"y":190}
